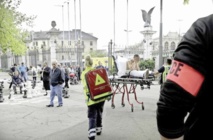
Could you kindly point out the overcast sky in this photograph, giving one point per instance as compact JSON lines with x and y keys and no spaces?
{"x":97,"y":17}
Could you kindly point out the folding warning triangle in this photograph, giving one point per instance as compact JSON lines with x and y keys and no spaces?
{"x":99,"y":80}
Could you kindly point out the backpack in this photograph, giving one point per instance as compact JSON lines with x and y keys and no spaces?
{"x":98,"y":84}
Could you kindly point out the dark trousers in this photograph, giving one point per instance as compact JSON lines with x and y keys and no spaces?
{"x":34,"y":78}
{"x":10,"y":85}
{"x":66,"y":83}
{"x":95,"y":117}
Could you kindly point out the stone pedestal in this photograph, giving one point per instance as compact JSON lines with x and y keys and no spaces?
{"x":147,"y":42}
{"x":53,"y":35}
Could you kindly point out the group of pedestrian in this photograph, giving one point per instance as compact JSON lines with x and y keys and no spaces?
{"x":19,"y":75}
{"x":184,"y":105}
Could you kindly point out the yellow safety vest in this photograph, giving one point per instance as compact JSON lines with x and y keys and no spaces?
{"x":166,"y":70}
{"x":88,"y":101}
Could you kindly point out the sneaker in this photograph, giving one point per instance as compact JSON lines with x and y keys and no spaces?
{"x":49,"y":105}
{"x":59,"y":105}
{"x":91,"y":138}
{"x":98,"y":133}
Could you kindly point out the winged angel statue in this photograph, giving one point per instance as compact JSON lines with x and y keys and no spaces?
{"x":147,"y":17}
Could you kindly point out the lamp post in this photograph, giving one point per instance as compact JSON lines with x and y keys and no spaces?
{"x":68,"y":19}
{"x":127,"y":40}
{"x":127,"y":28}
{"x":80,"y":38}
{"x":161,"y":34}
{"x":110,"y":56}
{"x":34,"y":49}
{"x":62,"y":6}
{"x":179,"y":20}
{"x":114,"y":25}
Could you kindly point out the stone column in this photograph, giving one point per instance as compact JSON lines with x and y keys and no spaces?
{"x":53,"y":35}
{"x":147,"y":33}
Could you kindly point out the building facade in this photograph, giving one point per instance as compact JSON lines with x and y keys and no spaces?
{"x":67,"y":47}
{"x":170,"y":43}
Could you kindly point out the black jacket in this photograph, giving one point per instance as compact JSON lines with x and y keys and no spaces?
{"x":57,"y":77}
{"x":46,"y":74}
{"x":175,"y":102}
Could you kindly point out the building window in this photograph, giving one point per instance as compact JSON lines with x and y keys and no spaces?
{"x":82,"y":42}
{"x":91,"y":43}
{"x":62,"y":57}
{"x":172,"y":46}
{"x":166,"y":46}
{"x":36,"y":43}
{"x":91,"y":49}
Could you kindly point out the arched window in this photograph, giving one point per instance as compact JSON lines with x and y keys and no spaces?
{"x":166,"y":46}
{"x":172,"y":46}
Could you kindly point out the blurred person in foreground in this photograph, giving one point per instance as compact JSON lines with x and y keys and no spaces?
{"x":184,"y":108}
{"x":95,"y":108}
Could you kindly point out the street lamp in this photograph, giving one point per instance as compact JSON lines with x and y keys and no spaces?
{"x":80,"y":42}
{"x":127,"y":40}
{"x":127,"y":28}
{"x":76,"y":43}
{"x":180,"y":20}
{"x":68,"y":13}
{"x":110,"y":56}
{"x":114,"y":25}
{"x":161,"y":35}
{"x":62,"y":6}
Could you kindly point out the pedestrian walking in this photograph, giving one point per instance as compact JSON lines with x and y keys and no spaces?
{"x":23,"y":70}
{"x":34,"y":73}
{"x":95,"y":108}
{"x":57,"y":79}
{"x":67,"y":74}
{"x":45,"y":76}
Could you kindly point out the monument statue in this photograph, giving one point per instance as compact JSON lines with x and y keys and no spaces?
{"x":147,"y":17}
{"x":53,"y":24}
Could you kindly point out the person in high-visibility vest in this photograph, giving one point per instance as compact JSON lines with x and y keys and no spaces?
{"x":164,"y":71}
{"x":95,"y":108}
